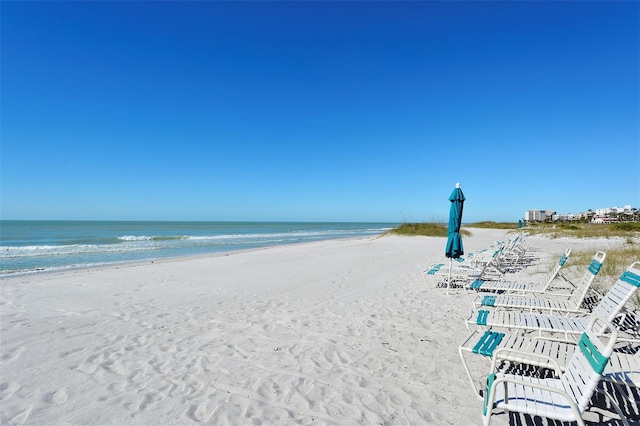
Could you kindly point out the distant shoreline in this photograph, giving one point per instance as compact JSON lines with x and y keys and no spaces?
{"x":41,"y":246}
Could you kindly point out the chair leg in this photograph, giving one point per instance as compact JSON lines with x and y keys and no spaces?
{"x":466,"y":366}
{"x":616,"y":407}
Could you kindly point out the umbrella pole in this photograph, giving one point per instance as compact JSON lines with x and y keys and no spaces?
{"x":450,"y":268}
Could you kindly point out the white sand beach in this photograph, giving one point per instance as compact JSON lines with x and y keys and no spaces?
{"x":341,"y":332}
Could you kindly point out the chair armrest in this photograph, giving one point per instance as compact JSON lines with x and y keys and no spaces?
{"x":518,"y":381}
{"x":524,"y":357}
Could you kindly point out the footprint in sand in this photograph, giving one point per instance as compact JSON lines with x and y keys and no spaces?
{"x":21,"y":417}
{"x":117,"y":387}
{"x":201,"y":412}
{"x":91,"y":364}
{"x":7,"y":389}
{"x":71,"y":352}
{"x":58,"y":396}
{"x":12,"y":354}
{"x":148,"y":399}
{"x":116,"y":367}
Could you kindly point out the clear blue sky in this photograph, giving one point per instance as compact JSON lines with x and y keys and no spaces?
{"x":330,"y":111}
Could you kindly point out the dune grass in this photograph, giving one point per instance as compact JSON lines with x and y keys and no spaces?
{"x":432,"y":229}
{"x":618,"y":259}
{"x":487,"y":224}
{"x":424,"y":229}
{"x":630,"y":230}
{"x":585,"y":230}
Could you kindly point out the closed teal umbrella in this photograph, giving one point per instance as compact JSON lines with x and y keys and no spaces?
{"x":454,"y":247}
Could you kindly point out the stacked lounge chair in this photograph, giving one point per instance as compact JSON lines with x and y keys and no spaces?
{"x":548,"y":302}
{"x":539,"y":347}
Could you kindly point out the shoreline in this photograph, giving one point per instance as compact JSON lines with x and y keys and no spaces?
{"x":334,"y":332}
{"x":176,"y":258}
{"x":44,"y":246}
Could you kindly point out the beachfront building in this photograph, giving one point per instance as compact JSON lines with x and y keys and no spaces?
{"x":604,"y":215}
{"x":566,"y":217}
{"x":538,"y":215}
{"x":584,"y":215}
{"x":604,"y":219}
{"x":614,"y":211}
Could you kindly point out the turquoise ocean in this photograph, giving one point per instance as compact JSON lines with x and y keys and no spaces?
{"x":38,"y":246}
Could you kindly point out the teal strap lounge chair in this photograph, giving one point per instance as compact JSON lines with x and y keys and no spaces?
{"x":513,"y":287}
{"x":551,"y":326}
{"x":565,"y":397}
{"x":548,"y":302}
{"x":482,"y":267}
{"x":623,"y":368}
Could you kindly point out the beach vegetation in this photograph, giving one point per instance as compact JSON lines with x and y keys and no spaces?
{"x":424,"y":229}
{"x":434,"y":229}
{"x":493,"y":225}
{"x":617,"y":261}
{"x":626,"y":226}
{"x":629,"y":230}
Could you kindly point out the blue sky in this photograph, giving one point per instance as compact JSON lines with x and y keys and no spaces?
{"x":329,"y":111}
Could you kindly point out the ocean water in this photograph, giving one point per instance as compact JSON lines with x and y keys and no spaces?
{"x":36,"y":246}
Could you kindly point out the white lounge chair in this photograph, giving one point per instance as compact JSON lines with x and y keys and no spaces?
{"x":520,"y":287}
{"x":461,"y":272}
{"x":623,"y":367}
{"x":550,"y":302}
{"x":552,"y":325}
{"x":485,"y":265}
{"x":565,"y":397}
{"x":516,"y":254}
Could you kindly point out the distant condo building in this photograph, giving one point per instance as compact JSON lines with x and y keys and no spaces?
{"x":614,"y":210}
{"x":606,"y":215}
{"x":538,"y":215}
{"x":568,"y":216}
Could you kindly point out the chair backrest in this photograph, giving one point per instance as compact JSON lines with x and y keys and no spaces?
{"x":564,"y":258}
{"x":587,"y":279}
{"x":556,"y":268}
{"x":587,"y":363}
{"x":493,"y":262}
{"x":513,"y":245}
{"x":619,"y":294}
